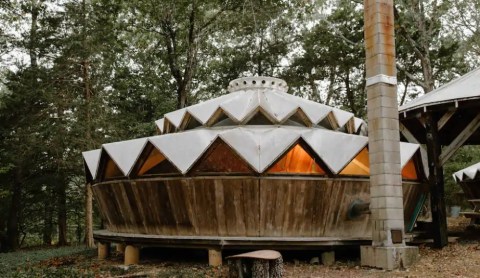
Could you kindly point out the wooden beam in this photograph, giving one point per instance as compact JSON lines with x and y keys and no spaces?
{"x":460,"y":140}
{"x":412,"y":139}
{"x":444,"y":119}
{"x":436,"y":181}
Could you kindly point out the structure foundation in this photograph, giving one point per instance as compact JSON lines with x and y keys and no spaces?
{"x":214,"y":257}
{"x":103,"y":250}
{"x":388,"y":258}
{"x":132,"y":255}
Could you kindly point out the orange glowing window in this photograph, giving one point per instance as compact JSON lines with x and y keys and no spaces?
{"x":112,"y":170}
{"x":409,"y":172}
{"x":297,"y":161}
{"x":153,"y":159}
{"x":156,"y":163}
{"x":359,"y":166}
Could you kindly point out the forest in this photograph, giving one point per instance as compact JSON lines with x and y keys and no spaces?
{"x":79,"y":73}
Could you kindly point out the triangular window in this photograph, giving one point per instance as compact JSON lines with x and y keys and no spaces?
{"x":296,"y":161}
{"x":220,"y":158}
{"x":359,"y":166}
{"x":155,"y":163}
{"x":409,"y":171}
{"x":112,"y":170}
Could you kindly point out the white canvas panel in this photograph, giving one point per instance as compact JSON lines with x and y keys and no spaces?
{"x":244,"y":143}
{"x":277,"y":106}
{"x":407,"y":150}
{"x":470,"y":173}
{"x":205,"y":110}
{"x":160,"y":124}
{"x":315,"y":112}
{"x":334,"y":148}
{"x":92,"y":159}
{"x":185,"y":148}
{"x":176,"y":117}
{"x":342,"y":116}
{"x":241,"y":106}
{"x":274,"y":142}
{"x":125,"y":153}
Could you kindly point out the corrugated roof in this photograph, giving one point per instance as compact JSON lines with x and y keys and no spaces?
{"x":469,"y":173}
{"x":462,"y":88}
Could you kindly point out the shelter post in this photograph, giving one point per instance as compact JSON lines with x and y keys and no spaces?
{"x":436,"y":182}
{"x":388,"y":250}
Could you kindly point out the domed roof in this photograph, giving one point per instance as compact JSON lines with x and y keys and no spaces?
{"x":258,"y":121}
{"x":253,"y":97}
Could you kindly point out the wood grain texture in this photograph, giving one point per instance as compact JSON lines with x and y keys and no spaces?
{"x":240,"y":207}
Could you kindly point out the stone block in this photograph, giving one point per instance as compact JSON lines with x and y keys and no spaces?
{"x":328,"y":258}
{"x":214,"y":257}
{"x":103,"y":250}
{"x":388,"y":258}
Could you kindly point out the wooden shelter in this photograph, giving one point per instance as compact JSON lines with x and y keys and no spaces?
{"x":444,"y":120}
{"x":256,"y":167}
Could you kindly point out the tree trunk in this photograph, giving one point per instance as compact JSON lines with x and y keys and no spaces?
{"x":15,"y":207}
{"x":62,"y":213}
{"x":89,"y":216}
{"x":47,"y":224}
{"x":349,"y":93}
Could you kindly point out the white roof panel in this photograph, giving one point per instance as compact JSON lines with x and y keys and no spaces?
{"x":245,"y":143}
{"x":204,"y":110}
{"x":160,"y":124}
{"x":92,"y":159}
{"x":176,"y":116}
{"x":407,"y":150}
{"x":273,"y":143}
{"x":125,"y":153}
{"x":462,"y":88}
{"x":276,"y":105}
{"x":468,"y":173}
{"x":184,"y":148}
{"x":241,"y":105}
{"x":334,"y":148}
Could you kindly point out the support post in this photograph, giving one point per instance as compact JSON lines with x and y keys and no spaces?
{"x":214,"y":257}
{"x":103,"y":250}
{"x":132,"y":255}
{"x":388,"y":250}
{"x":436,"y":182}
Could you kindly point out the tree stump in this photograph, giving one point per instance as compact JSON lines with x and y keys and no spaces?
{"x":256,"y":264}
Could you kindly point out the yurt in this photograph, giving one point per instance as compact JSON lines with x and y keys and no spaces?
{"x":255,"y":167}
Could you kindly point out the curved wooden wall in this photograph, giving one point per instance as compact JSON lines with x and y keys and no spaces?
{"x":240,"y":206}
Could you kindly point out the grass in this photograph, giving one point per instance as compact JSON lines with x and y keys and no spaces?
{"x":22,"y":263}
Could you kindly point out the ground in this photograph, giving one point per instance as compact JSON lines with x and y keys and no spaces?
{"x":461,"y":258}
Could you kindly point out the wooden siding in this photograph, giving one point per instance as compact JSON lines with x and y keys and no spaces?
{"x":246,"y":206}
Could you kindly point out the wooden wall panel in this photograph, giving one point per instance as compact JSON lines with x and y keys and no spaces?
{"x":246,"y":206}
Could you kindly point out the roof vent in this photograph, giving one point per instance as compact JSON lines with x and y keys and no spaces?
{"x":258,"y":82}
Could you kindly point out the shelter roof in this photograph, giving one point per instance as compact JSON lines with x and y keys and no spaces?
{"x":454,"y":106}
{"x":466,"y":87}
{"x":469,"y":173}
